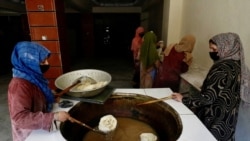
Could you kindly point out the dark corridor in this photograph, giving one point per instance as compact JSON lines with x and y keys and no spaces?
{"x":113,"y":33}
{"x":111,"y":36}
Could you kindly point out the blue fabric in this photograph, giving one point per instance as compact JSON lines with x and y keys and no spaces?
{"x":26,"y":58}
{"x":153,"y":74}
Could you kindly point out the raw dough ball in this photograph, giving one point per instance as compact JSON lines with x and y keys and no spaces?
{"x":107,"y":123}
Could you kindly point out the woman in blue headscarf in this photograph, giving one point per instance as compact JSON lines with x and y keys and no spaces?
{"x":29,"y":97}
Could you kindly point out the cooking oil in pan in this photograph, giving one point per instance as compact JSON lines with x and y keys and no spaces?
{"x":127,"y":129}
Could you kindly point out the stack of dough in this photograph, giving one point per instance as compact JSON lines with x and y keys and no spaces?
{"x":148,"y":137}
{"x":86,"y":86}
{"x":107,"y":123}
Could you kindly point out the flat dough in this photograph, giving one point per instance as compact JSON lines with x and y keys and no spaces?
{"x":87,"y":86}
{"x":148,"y":137}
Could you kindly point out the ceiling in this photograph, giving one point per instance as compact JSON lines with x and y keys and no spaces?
{"x":18,"y":6}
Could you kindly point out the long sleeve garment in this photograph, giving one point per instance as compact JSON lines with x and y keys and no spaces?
{"x":218,"y":102}
{"x":169,"y":72}
{"x":27,"y":106}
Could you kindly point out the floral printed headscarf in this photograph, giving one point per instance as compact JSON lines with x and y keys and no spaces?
{"x":230,"y":47}
{"x":26,"y":58}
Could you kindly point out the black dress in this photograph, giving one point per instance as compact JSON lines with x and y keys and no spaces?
{"x":218,"y":102}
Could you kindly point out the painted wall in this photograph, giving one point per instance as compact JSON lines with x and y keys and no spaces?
{"x":174,"y":20}
{"x":206,"y":18}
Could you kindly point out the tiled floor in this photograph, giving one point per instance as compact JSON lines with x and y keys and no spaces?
{"x":121,"y":70}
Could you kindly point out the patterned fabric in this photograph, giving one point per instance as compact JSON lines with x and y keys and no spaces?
{"x":230,"y":47}
{"x":219,"y":99}
{"x":26,"y":58}
{"x":243,"y":125}
{"x":217,"y":105}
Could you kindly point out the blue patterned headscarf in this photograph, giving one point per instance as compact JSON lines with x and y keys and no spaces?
{"x":26,"y":58}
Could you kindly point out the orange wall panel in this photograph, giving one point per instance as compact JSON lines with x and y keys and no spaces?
{"x":55,"y":60}
{"x":53,"y":46}
{"x":44,"y":33}
{"x":42,"y":18}
{"x":53,"y":72}
{"x":40,"y":5}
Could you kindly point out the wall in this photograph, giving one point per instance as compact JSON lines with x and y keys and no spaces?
{"x":205,"y":18}
{"x":152,"y":17}
{"x":174,"y":20}
{"x":116,"y":9}
{"x":155,"y":13}
{"x":165,"y":19}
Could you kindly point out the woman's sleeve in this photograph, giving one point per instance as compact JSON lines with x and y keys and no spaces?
{"x":214,"y":82}
{"x":26,"y":108}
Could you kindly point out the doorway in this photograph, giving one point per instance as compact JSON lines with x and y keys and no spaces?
{"x":113,"y":33}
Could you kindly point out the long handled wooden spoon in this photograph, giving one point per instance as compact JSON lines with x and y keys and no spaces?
{"x":154,"y":101}
{"x":87,"y":126}
{"x":77,"y":81}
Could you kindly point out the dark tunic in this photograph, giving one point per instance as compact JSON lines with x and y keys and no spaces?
{"x":168,"y":74}
{"x":27,"y":106}
{"x":218,"y":102}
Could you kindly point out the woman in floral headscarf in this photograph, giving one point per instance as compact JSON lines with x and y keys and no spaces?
{"x":149,"y":60}
{"x":29,"y":97}
{"x":177,"y":59}
{"x":218,"y":102}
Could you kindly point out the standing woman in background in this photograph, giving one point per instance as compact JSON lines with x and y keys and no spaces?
{"x":217,"y":104}
{"x":149,"y":60}
{"x":135,"y":48}
{"x":177,"y":59}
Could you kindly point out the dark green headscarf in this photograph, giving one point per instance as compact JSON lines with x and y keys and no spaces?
{"x":148,"y":53}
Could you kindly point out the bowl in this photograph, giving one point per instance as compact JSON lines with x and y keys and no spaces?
{"x":67,"y":79}
{"x":161,"y":117}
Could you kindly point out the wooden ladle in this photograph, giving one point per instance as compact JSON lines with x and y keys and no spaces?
{"x":87,"y":126}
{"x":154,"y":101}
{"x":76,"y":82}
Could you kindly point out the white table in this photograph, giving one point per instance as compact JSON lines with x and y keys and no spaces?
{"x":193,"y":129}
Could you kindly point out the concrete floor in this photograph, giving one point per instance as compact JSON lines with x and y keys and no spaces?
{"x":121,"y":70}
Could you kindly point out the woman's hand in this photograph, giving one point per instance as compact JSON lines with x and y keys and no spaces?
{"x":177,"y":96}
{"x":61,"y":116}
